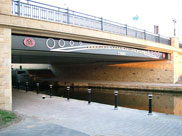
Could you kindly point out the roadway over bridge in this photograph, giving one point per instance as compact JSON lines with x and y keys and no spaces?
{"x":38,"y":33}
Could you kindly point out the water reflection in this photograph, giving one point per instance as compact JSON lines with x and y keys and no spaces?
{"x":170,"y":103}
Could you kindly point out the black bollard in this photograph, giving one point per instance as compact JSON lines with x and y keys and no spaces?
{"x":89,"y":96}
{"x":50,"y":93}
{"x":116,"y":100}
{"x":150,"y":104}
{"x":26,"y":86}
{"x":68,"y":92}
{"x":37,"y":84}
{"x":18,"y":84}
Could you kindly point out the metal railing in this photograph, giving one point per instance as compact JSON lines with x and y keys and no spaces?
{"x":180,"y":45}
{"x":37,"y":10}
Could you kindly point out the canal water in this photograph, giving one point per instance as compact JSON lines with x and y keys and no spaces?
{"x":170,"y":103}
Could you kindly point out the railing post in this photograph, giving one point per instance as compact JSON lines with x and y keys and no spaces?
{"x":145,"y":37}
{"x":126,"y":29}
{"x":68,"y":16}
{"x":18,"y":7}
{"x":159,"y":38}
{"x":102,"y":25}
{"x":136,"y":33}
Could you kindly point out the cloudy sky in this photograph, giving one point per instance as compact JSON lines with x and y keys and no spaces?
{"x":150,"y":12}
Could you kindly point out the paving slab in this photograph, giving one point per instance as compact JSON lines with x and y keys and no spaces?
{"x":33,"y":127}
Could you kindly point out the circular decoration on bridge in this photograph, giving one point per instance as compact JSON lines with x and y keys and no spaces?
{"x":61,"y":43}
{"x":80,"y":43}
{"x":163,"y":55}
{"x":49,"y":45}
{"x":71,"y":43}
{"x":29,"y":42}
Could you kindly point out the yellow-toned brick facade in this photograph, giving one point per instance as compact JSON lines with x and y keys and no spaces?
{"x":5,"y":69}
{"x":177,"y":61}
{"x":150,"y":72}
{"x":5,"y":59}
{"x":5,"y":6}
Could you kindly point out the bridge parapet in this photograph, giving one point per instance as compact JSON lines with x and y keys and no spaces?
{"x":37,"y":10}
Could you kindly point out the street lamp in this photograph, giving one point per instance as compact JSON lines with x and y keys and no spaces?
{"x":174,"y":21}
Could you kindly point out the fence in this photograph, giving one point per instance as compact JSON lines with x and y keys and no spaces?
{"x":37,"y":10}
{"x":180,"y":45}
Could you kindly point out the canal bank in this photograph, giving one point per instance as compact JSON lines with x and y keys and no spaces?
{"x":164,"y":101}
{"x":137,"y":86}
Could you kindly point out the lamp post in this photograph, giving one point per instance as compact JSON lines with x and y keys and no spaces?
{"x":174,"y":21}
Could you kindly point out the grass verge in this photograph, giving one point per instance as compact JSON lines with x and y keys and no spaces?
{"x":6,"y":117}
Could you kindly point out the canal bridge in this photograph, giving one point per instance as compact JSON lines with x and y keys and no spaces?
{"x":82,"y":47}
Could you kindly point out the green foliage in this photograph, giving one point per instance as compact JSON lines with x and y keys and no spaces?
{"x":6,"y":117}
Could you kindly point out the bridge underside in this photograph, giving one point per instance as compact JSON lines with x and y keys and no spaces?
{"x":62,"y":58}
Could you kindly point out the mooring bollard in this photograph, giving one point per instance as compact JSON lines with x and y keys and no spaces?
{"x":150,"y":104}
{"x":116,"y":100}
{"x":37,"y":84}
{"x":68,"y":92}
{"x":26,"y":84}
{"x":50,"y":93}
{"x":89,"y":95}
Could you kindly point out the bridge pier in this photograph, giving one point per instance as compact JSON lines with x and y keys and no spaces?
{"x":5,"y":60}
{"x":177,"y":62}
{"x":5,"y":69}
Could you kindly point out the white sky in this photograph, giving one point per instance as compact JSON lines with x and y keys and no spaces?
{"x":150,"y":12}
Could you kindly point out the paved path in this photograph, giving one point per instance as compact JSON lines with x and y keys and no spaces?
{"x":33,"y":127}
{"x":58,"y":117}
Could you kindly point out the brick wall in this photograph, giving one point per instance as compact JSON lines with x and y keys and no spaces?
{"x":151,"y":72}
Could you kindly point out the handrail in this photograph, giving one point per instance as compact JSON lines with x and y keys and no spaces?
{"x":38,"y":10}
{"x":180,"y":45}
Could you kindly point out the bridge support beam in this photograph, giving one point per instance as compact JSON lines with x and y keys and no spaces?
{"x":5,"y":60}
